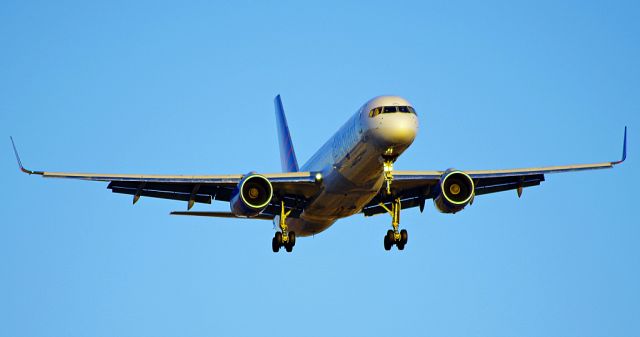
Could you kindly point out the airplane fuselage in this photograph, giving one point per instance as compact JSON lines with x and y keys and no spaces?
{"x":351,"y":163}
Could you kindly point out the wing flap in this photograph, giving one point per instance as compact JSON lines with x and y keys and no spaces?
{"x":200,"y":198}
{"x":486,"y":186}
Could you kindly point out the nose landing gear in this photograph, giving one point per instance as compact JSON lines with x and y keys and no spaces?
{"x":395,"y":237}
{"x":388,"y":174}
{"x":283,"y":238}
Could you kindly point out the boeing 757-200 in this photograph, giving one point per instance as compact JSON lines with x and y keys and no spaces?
{"x":351,"y":173}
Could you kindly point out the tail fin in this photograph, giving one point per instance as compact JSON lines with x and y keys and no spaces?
{"x":287,"y":154}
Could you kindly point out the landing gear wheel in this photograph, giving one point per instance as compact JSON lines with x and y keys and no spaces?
{"x":387,"y":243}
{"x":274,"y":245}
{"x":288,"y":247}
{"x":292,"y":239}
{"x":404,"y":236}
{"x":391,"y":237}
{"x":278,"y":238}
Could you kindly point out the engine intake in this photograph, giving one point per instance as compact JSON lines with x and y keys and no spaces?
{"x":252,"y":195}
{"x":456,"y":190}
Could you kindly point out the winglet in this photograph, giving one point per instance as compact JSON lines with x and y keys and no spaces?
{"x":624,"y":149}
{"x":19,"y":161}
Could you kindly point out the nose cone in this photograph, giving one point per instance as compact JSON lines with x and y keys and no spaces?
{"x":394,"y":130}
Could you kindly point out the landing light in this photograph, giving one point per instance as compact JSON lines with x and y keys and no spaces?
{"x":318,"y":177}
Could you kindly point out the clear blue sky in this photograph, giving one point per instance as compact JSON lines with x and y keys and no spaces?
{"x":188,"y":87}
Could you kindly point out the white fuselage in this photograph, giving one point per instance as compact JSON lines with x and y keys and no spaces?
{"x":351,"y":163}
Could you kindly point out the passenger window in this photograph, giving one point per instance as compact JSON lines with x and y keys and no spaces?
{"x":390,"y":109}
{"x":374,"y":112}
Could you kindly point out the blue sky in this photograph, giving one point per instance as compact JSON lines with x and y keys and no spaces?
{"x":188,"y":87}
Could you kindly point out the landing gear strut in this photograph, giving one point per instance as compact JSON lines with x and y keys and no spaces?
{"x":395,"y":237}
{"x":388,"y":174}
{"x":283,"y":238}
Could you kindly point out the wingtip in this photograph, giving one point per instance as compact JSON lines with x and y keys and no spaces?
{"x":15,"y":151}
{"x":624,"y":148}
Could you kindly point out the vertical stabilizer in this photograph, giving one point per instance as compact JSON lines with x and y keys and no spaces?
{"x":287,"y":154}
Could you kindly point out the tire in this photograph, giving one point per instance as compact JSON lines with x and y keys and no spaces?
{"x":400,"y":245}
{"x":288,"y":247}
{"x":387,"y":244}
{"x":292,"y":239}
{"x":274,"y":245}
{"x":404,"y":236}
{"x":278,"y":238}
{"x":391,"y":237}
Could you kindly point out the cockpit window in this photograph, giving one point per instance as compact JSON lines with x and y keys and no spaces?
{"x":391,"y":109}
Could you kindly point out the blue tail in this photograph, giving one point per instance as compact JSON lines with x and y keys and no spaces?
{"x":287,"y":154}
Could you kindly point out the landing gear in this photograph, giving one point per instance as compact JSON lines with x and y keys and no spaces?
{"x":388,"y":174}
{"x":395,"y":237}
{"x":283,"y":238}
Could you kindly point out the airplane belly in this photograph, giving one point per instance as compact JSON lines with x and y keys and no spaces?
{"x":307,"y":228}
{"x":348,"y":187}
{"x":326,"y":209}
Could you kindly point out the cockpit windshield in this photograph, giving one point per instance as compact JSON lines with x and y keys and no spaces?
{"x":391,"y":109}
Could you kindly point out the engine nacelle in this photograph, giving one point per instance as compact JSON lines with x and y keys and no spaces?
{"x":455,"y":191}
{"x":252,"y":195}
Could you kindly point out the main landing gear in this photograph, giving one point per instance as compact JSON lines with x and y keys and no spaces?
{"x":395,"y":237}
{"x":283,"y":238}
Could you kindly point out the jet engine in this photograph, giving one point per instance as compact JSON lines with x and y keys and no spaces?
{"x":455,"y":191}
{"x":251,"y":196}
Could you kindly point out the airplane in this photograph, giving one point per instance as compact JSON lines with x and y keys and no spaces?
{"x":352,"y":173}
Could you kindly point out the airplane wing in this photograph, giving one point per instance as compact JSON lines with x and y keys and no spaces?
{"x":414,"y":187}
{"x":294,"y":188}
